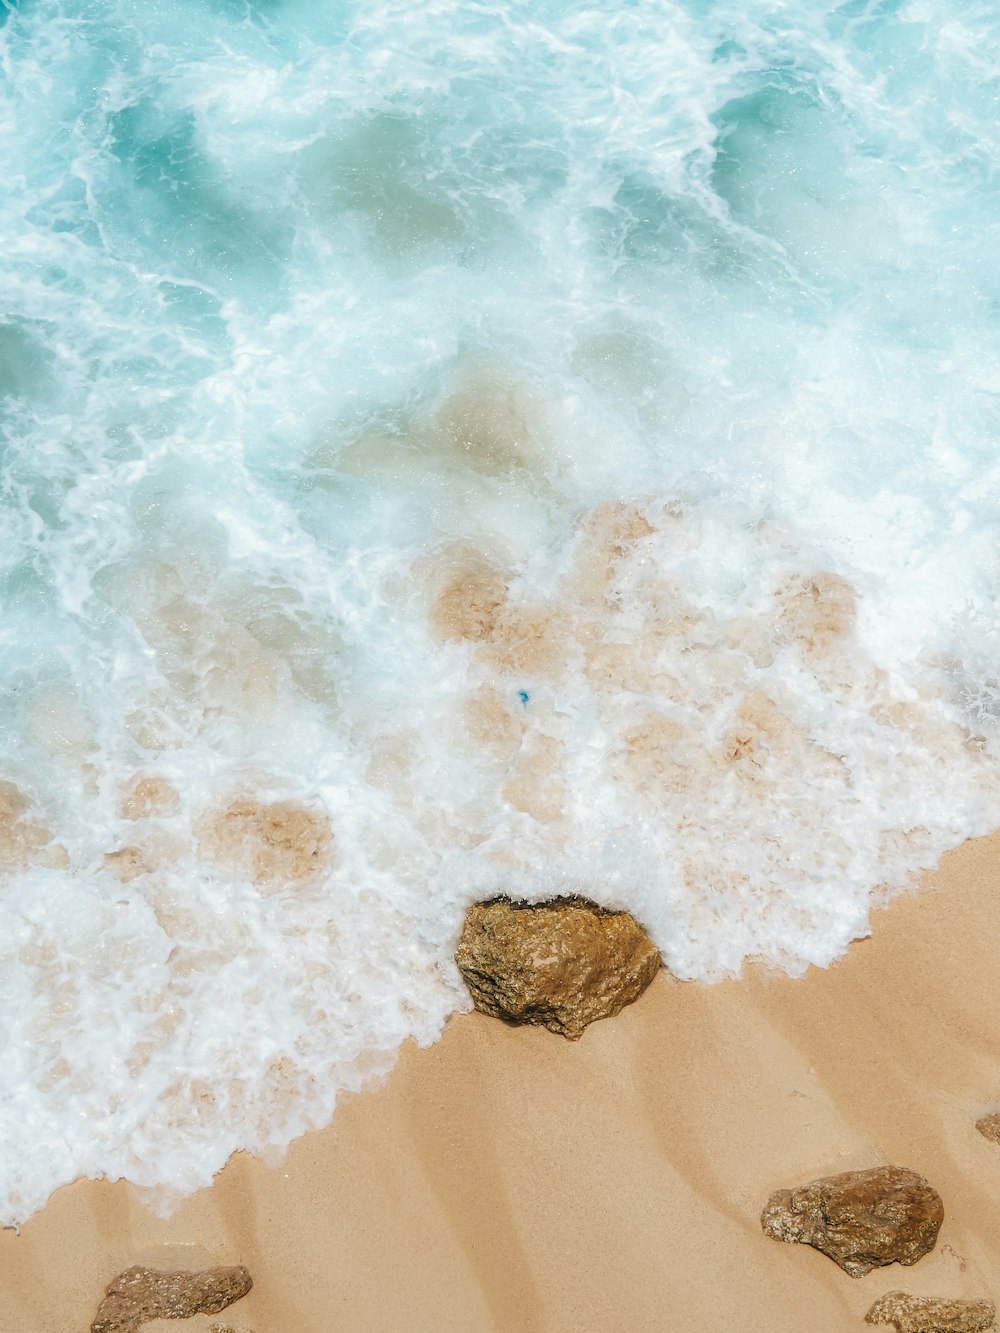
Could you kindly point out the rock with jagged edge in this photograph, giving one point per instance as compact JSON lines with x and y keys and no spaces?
{"x":560,"y":964}
{"x":929,"y":1314}
{"x":860,"y":1219}
{"x":141,"y":1294}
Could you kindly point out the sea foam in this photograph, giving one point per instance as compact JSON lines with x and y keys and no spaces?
{"x":458,"y":450}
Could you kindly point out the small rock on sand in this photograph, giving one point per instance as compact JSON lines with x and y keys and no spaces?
{"x":140,"y":1294}
{"x":928,"y":1314}
{"x":559,"y":964}
{"x":860,"y":1219}
{"x":989,"y":1127}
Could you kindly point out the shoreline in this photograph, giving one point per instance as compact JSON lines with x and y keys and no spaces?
{"x":504,"y":1179}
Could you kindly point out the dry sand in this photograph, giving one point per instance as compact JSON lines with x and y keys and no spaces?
{"x":506,"y":1180}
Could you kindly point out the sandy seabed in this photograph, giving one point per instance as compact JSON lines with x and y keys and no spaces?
{"x":507,"y":1181}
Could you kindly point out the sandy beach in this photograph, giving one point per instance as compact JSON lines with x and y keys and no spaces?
{"x":507,"y":1181}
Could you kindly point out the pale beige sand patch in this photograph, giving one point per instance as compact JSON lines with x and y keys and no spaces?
{"x":506,"y":1180}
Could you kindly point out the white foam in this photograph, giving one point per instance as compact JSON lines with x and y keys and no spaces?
{"x":452,"y":451}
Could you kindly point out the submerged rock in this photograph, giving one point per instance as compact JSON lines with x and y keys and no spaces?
{"x":928,"y":1314}
{"x":140,"y":1294}
{"x":560,"y":964}
{"x":860,"y":1219}
{"x":277,"y":845}
{"x":989,"y":1127}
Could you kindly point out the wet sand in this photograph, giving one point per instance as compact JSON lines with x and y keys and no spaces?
{"x":507,"y":1181}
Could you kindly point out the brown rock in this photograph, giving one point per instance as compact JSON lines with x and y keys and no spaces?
{"x":470,"y":597}
{"x":560,"y":964}
{"x":989,"y":1127}
{"x":127,"y":863}
{"x":24,"y":840}
{"x":277,"y":844}
{"x":817,"y":610}
{"x":145,"y":796}
{"x":861,"y":1219}
{"x":141,"y":1294}
{"x":928,"y":1314}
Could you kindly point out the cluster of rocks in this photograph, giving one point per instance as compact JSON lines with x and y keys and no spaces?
{"x":563,"y":964}
{"x":866,"y":1219}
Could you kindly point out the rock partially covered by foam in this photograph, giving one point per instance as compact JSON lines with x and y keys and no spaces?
{"x":560,"y":964}
{"x":860,"y":1219}
{"x":989,"y":1127}
{"x":277,"y":845}
{"x":929,"y":1314}
{"x":25,"y":840}
{"x":141,"y":1294}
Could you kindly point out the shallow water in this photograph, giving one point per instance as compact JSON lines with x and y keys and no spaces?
{"x":524,"y":448}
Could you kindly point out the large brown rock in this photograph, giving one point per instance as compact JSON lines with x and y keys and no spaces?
{"x":928,"y":1314}
{"x":861,"y":1219}
{"x":989,"y":1127}
{"x":141,"y":1294}
{"x":561,"y":964}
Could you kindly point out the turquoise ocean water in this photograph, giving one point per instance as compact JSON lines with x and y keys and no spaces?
{"x":458,"y":449}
